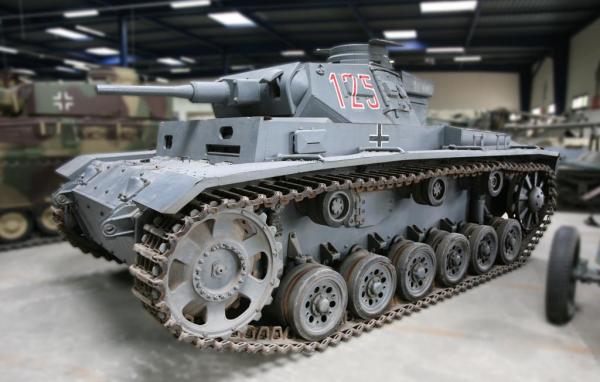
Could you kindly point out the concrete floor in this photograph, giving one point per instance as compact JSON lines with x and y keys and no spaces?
{"x":65,"y":316}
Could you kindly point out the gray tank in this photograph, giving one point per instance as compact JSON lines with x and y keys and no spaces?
{"x":316,"y":205}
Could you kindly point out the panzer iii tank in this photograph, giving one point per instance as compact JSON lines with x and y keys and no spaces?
{"x":44,"y":124}
{"x":315,"y":206}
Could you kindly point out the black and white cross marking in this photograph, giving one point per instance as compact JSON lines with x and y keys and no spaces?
{"x":63,"y":101}
{"x":380,"y":137}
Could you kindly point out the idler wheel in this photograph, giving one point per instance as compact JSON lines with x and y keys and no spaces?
{"x":483,"y":241}
{"x":415,"y":265}
{"x":509,"y":239}
{"x":371,"y":281}
{"x":431,"y":191}
{"x":312,"y":300}
{"x":527,"y":199}
{"x":452,"y":253}
{"x":221,"y":273}
{"x":14,"y":226}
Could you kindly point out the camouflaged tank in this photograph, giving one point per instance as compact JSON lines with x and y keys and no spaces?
{"x":315,"y":206}
{"x":44,"y":124}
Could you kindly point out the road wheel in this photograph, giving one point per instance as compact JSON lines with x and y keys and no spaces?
{"x":371,"y":281}
{"x":45,"y":222}
{"x":560,"y":280}
{"x":312,"y":300}
{"x":415,"y":267}
{"x":14,"y":226}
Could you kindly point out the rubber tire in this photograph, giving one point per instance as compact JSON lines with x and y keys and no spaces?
{"x":560,"y":282}
{"x":401,"y":256}
{"x":349,"y":270}
{"x":41,"y":226}
{"x":502,"y":226}
{"x":441,"y":246}
{"x":27,"y":232}
{"x":289,"y":291}
{"x":474,"y":233}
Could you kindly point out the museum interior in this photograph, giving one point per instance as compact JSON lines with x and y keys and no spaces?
{"x":327,"y":190}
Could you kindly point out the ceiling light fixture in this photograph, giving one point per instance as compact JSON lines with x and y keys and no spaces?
{"x":6,"y":49}
{"x":467,"y":59}
{"x":236,"y":68}
{"x":67,"y":33}
{"x":65,"y":69}
{"x":24,"y":71}
{"x":81,"y":13}
{"x":189,"y":60}
{"x":190,"y":4}
{"x":180,"y":70}
{"x":161,"y":80}
{"x":400,"y":34}
{"x":292,"y":53}
{"x":88,"y":30}
{"x":446,"y":49}
{"x":102,"y":51}
{"x":170,"y":61}
{"x":447,"y":6}
{"x":79,"y":64}
{"x":232,"y":19}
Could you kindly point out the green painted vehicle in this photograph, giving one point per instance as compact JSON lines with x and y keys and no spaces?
{"x":44,"y":124}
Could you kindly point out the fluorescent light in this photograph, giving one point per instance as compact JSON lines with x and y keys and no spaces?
{"x":241,"y":67}
{"x":447,"y":6}
{"x":400,"y":34}
{"x":79,"y":64}
{"x":95,"y":32}
{"x":189,"y":60}
{"x":448,"y":49}
{"x":6,"y":49}
{"x":180,"y":70}
{"x":231,"y":19}
{"x":467,"y":58}
{"x":537,"y":111}
{"x":292,"y":53}
{"x":65,"y":69}
{"x":66,"y":33}
{"x":580,"y":102}
{"x":190,"y":4}
{"x":27,"y":72}
{"x":169,"y":61}
{"x":81,"y":13}
{"x":102,"y":51}
{"x":161,"y":80}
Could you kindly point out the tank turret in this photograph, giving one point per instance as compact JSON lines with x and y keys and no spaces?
{"x":356,"y":84}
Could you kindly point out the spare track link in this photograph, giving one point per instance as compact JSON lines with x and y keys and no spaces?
{"x":160,"y":240}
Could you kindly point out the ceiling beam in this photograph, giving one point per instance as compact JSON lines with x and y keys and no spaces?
{"x":361,"y":20}
{"x":270,"y":29}
{"x":473,"y":25}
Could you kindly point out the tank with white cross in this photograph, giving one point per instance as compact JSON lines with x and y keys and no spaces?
{"x":318,"y":193}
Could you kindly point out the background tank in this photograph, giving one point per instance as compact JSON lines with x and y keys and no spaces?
{"x":44,"y":124}
{"x":317,"y":191}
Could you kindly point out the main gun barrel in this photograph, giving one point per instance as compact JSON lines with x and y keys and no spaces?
{"x":195,"y":91}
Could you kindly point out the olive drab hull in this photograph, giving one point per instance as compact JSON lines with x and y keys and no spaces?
{"x":317,"y":194}
{"x":45,"y":124}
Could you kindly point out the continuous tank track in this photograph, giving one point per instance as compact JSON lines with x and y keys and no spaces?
{"x":31,"y":242}
{"x":161,"y":238}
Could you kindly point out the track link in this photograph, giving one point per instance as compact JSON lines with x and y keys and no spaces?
{"x":31,"y":242}
{"x":161,"y":237}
